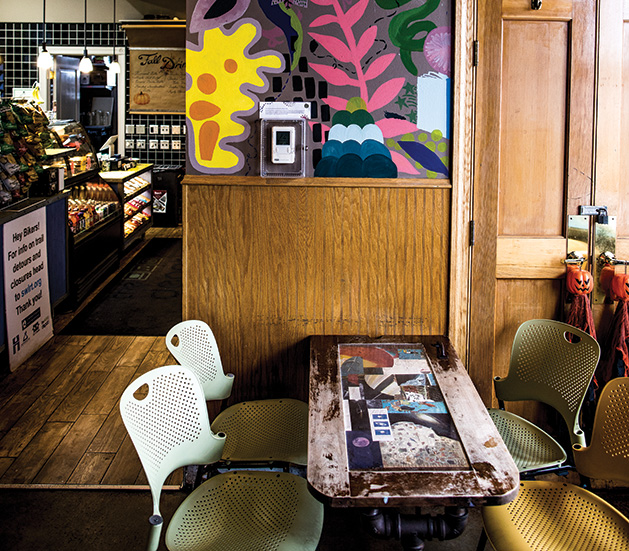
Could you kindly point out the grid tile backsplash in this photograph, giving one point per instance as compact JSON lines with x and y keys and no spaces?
{"x":19,"y":44}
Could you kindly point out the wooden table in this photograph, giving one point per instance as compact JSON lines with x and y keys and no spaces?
{"x":397,"y":422}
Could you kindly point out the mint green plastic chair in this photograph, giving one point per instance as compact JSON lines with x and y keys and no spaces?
{"x":248,"y":511}
{"x":257,"y":431}
{"x":166,"y":416}
{"x":554,"y":516}
{"x":551,"y":362}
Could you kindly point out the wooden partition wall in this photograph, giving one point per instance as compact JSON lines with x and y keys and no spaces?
{"x":268,"y":262}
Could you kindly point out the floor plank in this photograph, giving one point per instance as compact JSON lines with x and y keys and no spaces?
{"x":25,"y":468}
{"x":63,"y":461}
{"x":60,"y":421}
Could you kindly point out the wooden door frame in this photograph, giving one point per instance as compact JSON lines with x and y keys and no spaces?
{"x":463,"y":75}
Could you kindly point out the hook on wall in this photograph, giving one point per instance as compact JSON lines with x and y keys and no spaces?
{"x":536,"y":4}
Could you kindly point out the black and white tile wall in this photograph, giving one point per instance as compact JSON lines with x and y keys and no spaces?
{"x":19,"y":47}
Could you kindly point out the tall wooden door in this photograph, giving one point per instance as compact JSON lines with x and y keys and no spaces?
{"x":534,"y":146}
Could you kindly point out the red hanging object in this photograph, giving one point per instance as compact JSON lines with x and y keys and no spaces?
{"x":580,"y":283}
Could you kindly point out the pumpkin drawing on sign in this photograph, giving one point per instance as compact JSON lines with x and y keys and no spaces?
{"x":579,"y":282}
{"x":142,"y":98}
{"x":620,"y":287}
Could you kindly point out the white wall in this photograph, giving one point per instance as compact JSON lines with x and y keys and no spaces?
{"x":98,"y":11}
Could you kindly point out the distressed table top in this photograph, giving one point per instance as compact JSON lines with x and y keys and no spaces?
{"x":396,"y":421}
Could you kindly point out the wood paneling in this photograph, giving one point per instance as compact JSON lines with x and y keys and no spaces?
{"x":534,"y":158}
{"x":268,"y":264}
{"x":533,"y":128}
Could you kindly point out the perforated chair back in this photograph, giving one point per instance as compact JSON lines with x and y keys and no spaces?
{"x":546,"y":366}
{"x":165,"y":414}
{"x":607,"y":456}
{"x":193,"y":345}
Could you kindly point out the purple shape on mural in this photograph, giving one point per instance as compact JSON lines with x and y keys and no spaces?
{"x":210,"y":14}
{"x":424,"y":156}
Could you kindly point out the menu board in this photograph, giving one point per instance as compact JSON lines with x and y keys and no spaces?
{"x":157,"y":80}
{"x":395,"y":415}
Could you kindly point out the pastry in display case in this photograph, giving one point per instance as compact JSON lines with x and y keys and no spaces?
{"x":135,"y":188}
{"x":83,"y":159}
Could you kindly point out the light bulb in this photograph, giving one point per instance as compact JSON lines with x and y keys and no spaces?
{"x":85,"y":65}
{"x":114,"y":66}
{"x":45,"y":61}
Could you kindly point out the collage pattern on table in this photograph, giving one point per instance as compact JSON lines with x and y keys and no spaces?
{"x":395,"y":415}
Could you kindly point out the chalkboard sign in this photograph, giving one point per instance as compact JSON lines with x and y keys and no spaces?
{"x":157,"y":80}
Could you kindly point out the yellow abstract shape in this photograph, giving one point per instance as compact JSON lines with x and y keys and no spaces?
{"x":222,"y":58}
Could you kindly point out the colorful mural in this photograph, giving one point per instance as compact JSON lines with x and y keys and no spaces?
{"x":375,"y":74}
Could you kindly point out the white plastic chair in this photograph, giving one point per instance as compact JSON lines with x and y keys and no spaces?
{"x":169,"y":428}
{"x":193,"y":345}
{"x":248,"y":511}
{"x":258,"y":430}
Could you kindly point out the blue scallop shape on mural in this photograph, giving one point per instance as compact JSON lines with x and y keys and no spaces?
{"x":338,"y":132}
{"x":379,"y":166}
{"x":372,"y":132}
{"x":349,"y":166}
{"x":326,"y":167}
{"x":372,"y":147}
{"x":351,"y":146}
{"x":354,"y":132}
{"x":424,"y":156}
{"x":332,"y":148}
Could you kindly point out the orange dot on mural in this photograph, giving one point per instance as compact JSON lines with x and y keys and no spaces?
{"x":206,"y":83}
{"x":231,"y":66}
{"x":201,"y":110}
{"x":208,"y":138}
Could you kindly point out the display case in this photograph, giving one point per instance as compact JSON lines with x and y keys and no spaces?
{"x":94,"y":223}
{"x":135,"y":190}
{"x":82,"y":163}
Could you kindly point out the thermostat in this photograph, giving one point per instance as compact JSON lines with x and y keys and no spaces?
{"x":283,"y":145}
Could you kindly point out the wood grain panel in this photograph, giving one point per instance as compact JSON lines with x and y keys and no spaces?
{"x":530,"y":258}
{"x":533,"y":128}
{"x":268,"y":266}
{"x":551,"y":9}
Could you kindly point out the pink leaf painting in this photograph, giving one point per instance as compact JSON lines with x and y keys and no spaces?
{"x":333,"y":45}
{"x":395,"y":127}
{"x":333,"y":76}
{"x":336,"y":103}
{"x":378,"y":66}
{"x":385,"y":94}
{"x":366,"y":41}
{"x":354,"y":14}
{"x":403,"y":164}
{"x":324,"y":20}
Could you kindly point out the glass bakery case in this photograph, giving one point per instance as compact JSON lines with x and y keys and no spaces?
{"x":72,"y":135}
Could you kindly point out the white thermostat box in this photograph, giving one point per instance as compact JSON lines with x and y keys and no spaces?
{"x":282,"y":148}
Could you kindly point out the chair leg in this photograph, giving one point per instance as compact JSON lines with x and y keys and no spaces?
{"x":482,"y":540}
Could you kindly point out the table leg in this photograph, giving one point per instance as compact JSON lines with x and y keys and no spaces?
{"x":412,"y":530}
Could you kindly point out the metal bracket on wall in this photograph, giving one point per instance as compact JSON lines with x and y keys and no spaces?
{"x":603,"y":246}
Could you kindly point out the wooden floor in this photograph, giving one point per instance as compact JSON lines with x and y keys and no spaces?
{"x":60,"y":424}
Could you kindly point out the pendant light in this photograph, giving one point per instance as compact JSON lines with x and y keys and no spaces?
{"x":114,"y":66}
{"x":44,"y":60}
{"x":85,"y":66}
